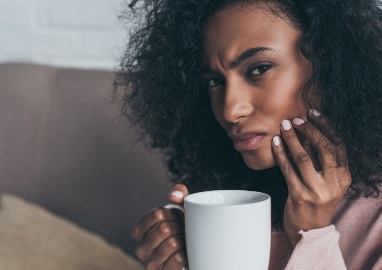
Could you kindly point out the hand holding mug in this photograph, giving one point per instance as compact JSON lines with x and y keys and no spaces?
{"x":160,"y":235}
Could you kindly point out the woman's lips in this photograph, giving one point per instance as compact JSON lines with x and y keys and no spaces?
{"x":247,"y":142}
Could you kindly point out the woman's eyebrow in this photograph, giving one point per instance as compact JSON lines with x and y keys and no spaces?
{"x":248,"y":54}
{"x":241,"y":58}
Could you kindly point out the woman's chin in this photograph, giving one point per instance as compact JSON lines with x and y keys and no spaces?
{"x":256,"y":163}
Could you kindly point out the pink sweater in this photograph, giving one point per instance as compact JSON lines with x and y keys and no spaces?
{"x":353,"y":242}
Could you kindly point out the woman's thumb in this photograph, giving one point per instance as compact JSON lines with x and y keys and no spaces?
{"x":177,"y":193}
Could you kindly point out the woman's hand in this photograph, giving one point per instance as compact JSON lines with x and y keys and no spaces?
{"x":316,"y":171}
{"x":160,"y":235}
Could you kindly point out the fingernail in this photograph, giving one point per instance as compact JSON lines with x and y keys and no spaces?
{"x":286,"y":125}
{"x":298,"y":121}
{"x":276,"y":140}
{"x":177,"y":194}
{"x":314,"y":112}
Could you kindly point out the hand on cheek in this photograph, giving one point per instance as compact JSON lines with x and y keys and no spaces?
{"x":316,"y":173}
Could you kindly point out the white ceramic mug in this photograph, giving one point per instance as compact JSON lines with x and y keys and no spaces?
{"x":227,"y":230}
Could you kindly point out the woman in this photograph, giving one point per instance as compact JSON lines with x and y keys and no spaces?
{"x":278,"y":96}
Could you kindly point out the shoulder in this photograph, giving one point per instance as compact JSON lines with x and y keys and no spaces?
{"x":359,"y":222}
{"x":354,"y":209}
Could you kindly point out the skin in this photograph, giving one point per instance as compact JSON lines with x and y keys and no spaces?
{"x":256,"y":94}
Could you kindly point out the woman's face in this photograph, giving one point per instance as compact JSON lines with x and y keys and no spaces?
{"x":255,"y":73}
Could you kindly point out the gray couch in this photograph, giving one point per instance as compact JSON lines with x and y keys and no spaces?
{"x":64,"y":146}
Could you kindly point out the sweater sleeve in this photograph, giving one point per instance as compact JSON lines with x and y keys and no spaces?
{"x":317,"y":250}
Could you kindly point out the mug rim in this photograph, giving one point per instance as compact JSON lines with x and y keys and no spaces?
{"x":265,"y":197}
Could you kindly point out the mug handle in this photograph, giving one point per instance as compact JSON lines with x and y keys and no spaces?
{"x":174,"y":206}
{"x":181,"y":208}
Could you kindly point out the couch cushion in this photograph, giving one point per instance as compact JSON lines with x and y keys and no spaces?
{"x":32,"y":238}
{"x":63,"y":146}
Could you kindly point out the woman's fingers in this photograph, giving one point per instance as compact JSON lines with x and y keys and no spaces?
{"x":305,"y":170}
{"x":341,"y":171}
{"x":325,"y":149}
{"x":312,"y":152}
{"x":155,"y":216}
{"x":332,"y":156}
{"x":332,"y":166}
{"x":324,"y":126}
{"x":165,"y":251}
{"x":177,"y":193}
{"x":316,"y":172}
{"x":301,"y":165}
{"x":160,"y":233}
{"x":295,"y":186}
{"x":176,"y":261}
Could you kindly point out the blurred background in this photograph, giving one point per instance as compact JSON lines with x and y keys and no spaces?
{"x":70,"y":33}
{"x":63,"y":145}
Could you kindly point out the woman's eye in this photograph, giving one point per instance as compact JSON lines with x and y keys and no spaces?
{"x":260,"y":69}
{"x":214,"y":82}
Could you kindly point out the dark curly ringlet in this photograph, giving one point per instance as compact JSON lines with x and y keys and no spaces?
{"x":161,"y":91}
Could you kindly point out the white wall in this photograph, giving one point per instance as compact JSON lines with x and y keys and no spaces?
{"x":69,"y":33}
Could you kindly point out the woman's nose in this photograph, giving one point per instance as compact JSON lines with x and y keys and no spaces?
{"x":237,"y":103}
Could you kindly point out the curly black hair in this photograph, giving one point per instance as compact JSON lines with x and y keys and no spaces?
{"x":160,"y":88}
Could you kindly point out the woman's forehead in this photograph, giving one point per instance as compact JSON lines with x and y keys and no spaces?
{"x":232,"y":30}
